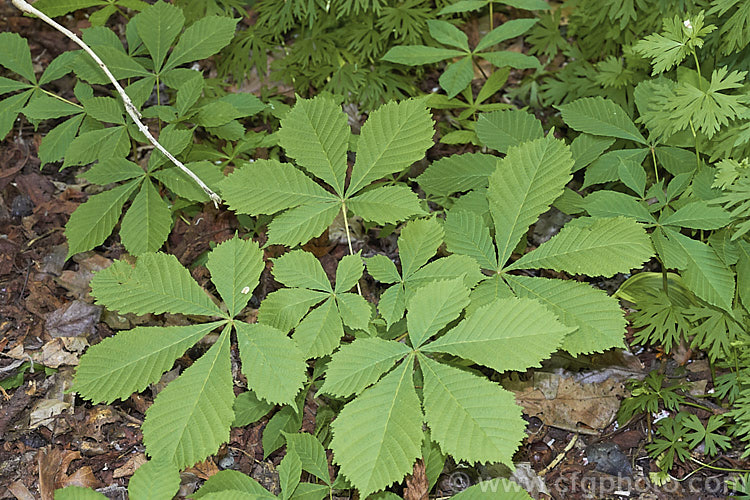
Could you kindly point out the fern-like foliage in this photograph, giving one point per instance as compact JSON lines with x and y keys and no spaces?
{"x":377,"y":436}
{"x":191,"y":417}
{"x":315,"y":133}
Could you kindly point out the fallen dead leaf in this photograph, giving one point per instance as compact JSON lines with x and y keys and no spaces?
{"x":74,"y":319}
{"x":130,"y":466}
{"x":565,"y":403}
{"x":417,"y":487}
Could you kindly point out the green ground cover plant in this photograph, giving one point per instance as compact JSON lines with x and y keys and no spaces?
{"x":645,"y":149}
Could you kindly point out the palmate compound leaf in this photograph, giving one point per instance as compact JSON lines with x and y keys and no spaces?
{"x":507,"y":334}
{"x":378,"y":436}
{"x":386,"y":205}
{"x":433,"y":306}
{"x":274,"y":366}
{"x":158,"y":26}
{"x":191,"y":417}
{"x":592,"y":246}
{"x":467,"y":234}
{"x":311,"y":453}
{"x":527,"y":181}
{"x":300,"y":269}
{"x":598,"y":317}
{"x":157,"y":284}
{"x":470,"y":417}
{"x":235,"y":267}
{"x":418,"y":242}
{"x":126,"y":363}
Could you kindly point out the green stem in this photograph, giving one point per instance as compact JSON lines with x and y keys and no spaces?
{"x":158,"y":102}
{"x":653,"y":157}
{"x":491,"y":14}
{"x":348,"y":238}
{"x":695,"y":138}
{"x":698,"y":68}
{"x":60,"y":98}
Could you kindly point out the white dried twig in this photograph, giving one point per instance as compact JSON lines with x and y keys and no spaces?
{"x":132,"y":111}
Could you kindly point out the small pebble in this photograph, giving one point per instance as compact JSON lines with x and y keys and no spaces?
{"x":21,"y":206}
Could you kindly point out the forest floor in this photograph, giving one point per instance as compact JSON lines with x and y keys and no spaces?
{"x":50,"y":438}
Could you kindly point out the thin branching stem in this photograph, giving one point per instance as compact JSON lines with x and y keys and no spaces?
{"x":129,"y":107}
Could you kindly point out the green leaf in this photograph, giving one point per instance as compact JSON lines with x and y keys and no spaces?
{"x":216,"y":113}
{"x":606,"y":167}
{"x":311,"y":454}
{"x":126,"y":363}
{"x":311,"y":491}
{"x":358,"y":365}
{"x":301,"y":224}
{"x":183,"y":186}
{"x":231,"y":480}
{"x":77,"y":493}
{"x":453,"y":266}
{"x":113,"y":170}
{"x":633,"y":176}
{"x":706,"y":275}
{"x":201,"y":40}
{"x":382,"y":269}
{"x":191,"y":417}
{"x":104,"y":109}
{"x":58,"y":139}
{"x":16,"y":55}
{"x":393,"y":137}
{"x":174,"y":140}
{"x":599,"y":116}
{"x":526,"y":182}
{"x":457,"y":76}
{"x":698,"y":215}
{"x":386,"y":205}
{"x":377,"y":437}
{"x":592,"y":246}
{"x":147,"y":223}
{"x":249,"y":409}
{"x":529,"y":333}
{"x":235,"y":267}
{"x":290,"y":470}
{"x":489,"y":290}
{"x":348,"y":272}
{"x":319,"y":333}
{"x":8,"y":85}
{"x":587,"y":148}
{"x":9,"y":109}
{"x":517,"y":60}
{"x":434,"y":306}
{"x":154,"y":481}
{"x":457,"y":173}
{"x":613,"y":204}
{"x":99,"y":144}
{"x":157,"y":284}
{"x":470,"y":417}
{"x":355,"y":310}
{"x":281,"y":186}
{"x":466,"y":233}
{"x":315,"y":133}
{"x":392,"y":304}
{"x":506,"y":31}
{"x":447,"y":34}
{"x":158,"y":27}
{"x":283,"y":309}
{"x":743,"y":273}
{"x":55,"y":8}
{"x":419,"y":241}
{"x":244,"y":102}
{"x":92,"y":221}
{"x":418,"y":55}
{"x":188,"y":93}
{"x":59,"y":67}
{"x":599,"y":319}
{"x":43,"y":107}
{"x":301,"y":269}
{"x":275,"y":368}
{"x":502,"y":129}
